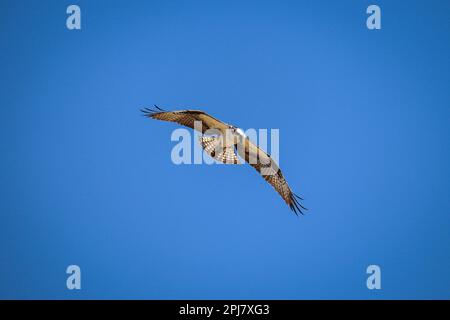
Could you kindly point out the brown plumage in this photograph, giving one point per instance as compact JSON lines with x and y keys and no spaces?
{"x":269,"y":170}
{"x":224,"y":149}
{"x":186,"y":118}
{"x":214,"y":148}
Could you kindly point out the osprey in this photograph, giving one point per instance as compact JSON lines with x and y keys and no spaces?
{"x":225,"y":142}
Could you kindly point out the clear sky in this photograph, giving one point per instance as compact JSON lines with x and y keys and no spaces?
{"x":364,"y":138}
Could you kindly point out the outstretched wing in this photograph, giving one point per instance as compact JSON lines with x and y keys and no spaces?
{"x":270,"y":171}
{"x":186,"y":118}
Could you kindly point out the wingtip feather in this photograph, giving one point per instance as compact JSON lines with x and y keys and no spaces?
{"x":148,"y":112}
{"x":296,"y":206}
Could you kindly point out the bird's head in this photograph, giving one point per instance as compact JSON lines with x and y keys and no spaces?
{"x":237,"y":131}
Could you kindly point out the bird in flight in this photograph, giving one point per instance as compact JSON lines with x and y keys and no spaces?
{"x":223,"y":144}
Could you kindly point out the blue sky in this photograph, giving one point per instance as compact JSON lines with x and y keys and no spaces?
{"x":364,"y":126}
